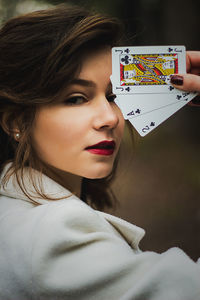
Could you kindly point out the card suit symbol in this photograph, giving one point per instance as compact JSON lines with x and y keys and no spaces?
{"x":125,"y":59}
{"x":171,"y":88}
{"x":152,"y":124}
{"x":186,"y":99}
{"x":127,"y":89}
{"x":178,"y":97}
{"x":127,"y":50}
{"x":170,"y":49}
{"x":131,"y":113}
{"x":138,"y":111}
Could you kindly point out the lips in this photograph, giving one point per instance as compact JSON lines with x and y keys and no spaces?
{"x":102,"y":148}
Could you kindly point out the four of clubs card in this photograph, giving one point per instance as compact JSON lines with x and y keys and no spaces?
{"x":141,"y":81}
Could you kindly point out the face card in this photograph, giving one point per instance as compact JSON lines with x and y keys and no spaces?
{"x":138,"y":104}
{"x":146,"y":69}
{"x":149,"y":121}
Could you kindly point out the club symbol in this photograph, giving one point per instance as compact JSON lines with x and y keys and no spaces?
{"x":127,"y":89}
{"x":170,"y":49}
{"x":125,"y":60}
{"x":152,"y":124}
{"x":127,"y":50}
{"x":178,"y":97}
{"x":171,"y":88}
{"x":138,"y":111}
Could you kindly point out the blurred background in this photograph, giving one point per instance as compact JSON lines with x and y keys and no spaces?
{"x":159,"y":188}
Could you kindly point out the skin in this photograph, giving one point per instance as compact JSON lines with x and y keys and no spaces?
{"x":63,"y":131}
{"x":53,"y":128}
{"x":191,"y":80}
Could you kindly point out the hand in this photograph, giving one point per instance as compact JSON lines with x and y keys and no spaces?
{"x":191,"y":81}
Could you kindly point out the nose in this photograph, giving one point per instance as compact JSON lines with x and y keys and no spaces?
{"x":106,"y":114}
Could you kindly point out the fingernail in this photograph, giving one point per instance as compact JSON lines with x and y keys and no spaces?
{"x":176,"y":79}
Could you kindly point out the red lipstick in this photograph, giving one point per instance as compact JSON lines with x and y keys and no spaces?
{"x":102,"y":148}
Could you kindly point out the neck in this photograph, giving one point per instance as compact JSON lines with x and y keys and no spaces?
{"x":70,"y":181}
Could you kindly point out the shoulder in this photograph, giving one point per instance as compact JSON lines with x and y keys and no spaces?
{"x":67,"y":250}
{"x":63,"y":224}
{"x":70,"y":212}
{"x":61,"y":246}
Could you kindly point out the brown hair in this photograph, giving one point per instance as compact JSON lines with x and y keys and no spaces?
{"x":40,"y":53}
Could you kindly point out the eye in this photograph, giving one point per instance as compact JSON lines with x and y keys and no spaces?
{"x":111,"y":97}
{"x":75,"y":100}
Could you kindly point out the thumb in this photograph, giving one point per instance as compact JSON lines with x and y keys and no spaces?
{"x":186,"y":82}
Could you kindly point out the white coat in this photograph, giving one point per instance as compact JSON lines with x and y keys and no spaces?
{"x":64,"y":249}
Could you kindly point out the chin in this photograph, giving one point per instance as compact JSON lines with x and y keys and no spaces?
{"x":99,"y":174}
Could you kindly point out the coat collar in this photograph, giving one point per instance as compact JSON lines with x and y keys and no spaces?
{"x":131,"y":233}
{"x":43,"y":182}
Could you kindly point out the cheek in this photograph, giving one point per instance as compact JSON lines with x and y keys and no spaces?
{"x":51,"y":131}
{"x":56,"y":130}
{"x":121,"y":121}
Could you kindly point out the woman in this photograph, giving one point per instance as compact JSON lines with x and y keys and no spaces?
{"x":59,"y":124}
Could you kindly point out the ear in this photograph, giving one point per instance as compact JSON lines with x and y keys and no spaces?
{"x":10,"y":127}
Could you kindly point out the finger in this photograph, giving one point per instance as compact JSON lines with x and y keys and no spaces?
{"x":194,"y":102}
{"x":192,"y":60}
{"x":186,"y":82}
{"x":195,"y":71}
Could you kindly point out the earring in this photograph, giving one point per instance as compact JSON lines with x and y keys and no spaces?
{"x":17,"y":135}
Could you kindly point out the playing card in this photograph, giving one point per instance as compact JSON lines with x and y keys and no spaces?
{"x":149,"y":121}
{"x":146,"y":69}
{"x":141,"y":82}
{"x":138,"y":104}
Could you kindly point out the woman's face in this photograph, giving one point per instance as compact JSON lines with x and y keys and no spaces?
{"x":82,"y":134}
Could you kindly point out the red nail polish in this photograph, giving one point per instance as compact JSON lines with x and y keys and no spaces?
{"x":176,"y":79}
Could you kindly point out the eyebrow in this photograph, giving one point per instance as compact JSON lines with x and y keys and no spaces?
{"x":87,"y":83}
{"x":83,"y":82}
